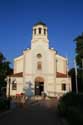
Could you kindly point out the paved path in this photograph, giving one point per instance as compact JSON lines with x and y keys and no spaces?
{"x":33,"y":114}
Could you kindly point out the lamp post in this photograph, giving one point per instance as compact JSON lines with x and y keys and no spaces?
{"x":82,"y":69}
{"x":76,"y":76}
{"x":82,"y":63}
{"x":67,"y":73}
{"x":9,"y":87}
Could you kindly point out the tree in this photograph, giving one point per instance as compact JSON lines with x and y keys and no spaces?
{"x":79,"y":50}
{"x":4,"y":70}
{"x":72,"y":74}
{"x":79,"y":59}
{"x":73,"y":77}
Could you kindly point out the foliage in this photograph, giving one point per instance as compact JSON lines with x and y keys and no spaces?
{"x":70,"y":106}
{"x":79,"y":50}
{"x":4,"y":70}
{"x":79,"y":81}
{"x":4,"y":103}
{"x":79,"y":59}
{"x":72,"y":74}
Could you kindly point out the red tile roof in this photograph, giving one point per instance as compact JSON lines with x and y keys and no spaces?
{"x":20,"y":74}
{"x":58,"y":74}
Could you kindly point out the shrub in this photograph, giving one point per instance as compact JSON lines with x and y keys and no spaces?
{"x":70,"y":106}
{"x":3,"y":103}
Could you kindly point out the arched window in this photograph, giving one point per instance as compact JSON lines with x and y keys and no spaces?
{"x":63,"y":86}
{"x":39,"y":66}
{"x":40,"y":30}
{"x":14,"y":85}
{"x":34,"y":31}
{"x":44,"y":31}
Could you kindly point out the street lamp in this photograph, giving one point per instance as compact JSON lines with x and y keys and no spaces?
{"x":76,"y":76}
{"x":9,"y":81}
{"x":82,"y":64}
{"x":82,"y":69}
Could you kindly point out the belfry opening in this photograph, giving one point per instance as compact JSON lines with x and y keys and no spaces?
{"x":39,"y":86}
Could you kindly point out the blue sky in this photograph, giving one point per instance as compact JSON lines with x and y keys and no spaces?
{"x":64,"y":19}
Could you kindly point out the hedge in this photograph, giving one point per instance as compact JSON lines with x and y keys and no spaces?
{"x":70,"y":106}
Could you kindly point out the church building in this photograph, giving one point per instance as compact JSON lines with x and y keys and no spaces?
{"x":40,"y":69}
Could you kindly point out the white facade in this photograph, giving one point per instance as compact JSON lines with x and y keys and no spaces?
{"x":39,"y":68}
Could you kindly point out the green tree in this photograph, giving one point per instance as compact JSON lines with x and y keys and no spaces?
{"x":79,"y":50}
{"x":73,"y":77}
{"x":72,"y":74}
{"x":79,"y":59}
{"x":4,"y":70}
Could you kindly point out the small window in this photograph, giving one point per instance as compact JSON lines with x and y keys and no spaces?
{"x":39,"y":30}
{"x":39,"y":55}
{"x":34,"y":31}
{"x":44,"y":31}
{"x":39,"y":66}
{"x":63,"y":86}
{"x":14,"y":85}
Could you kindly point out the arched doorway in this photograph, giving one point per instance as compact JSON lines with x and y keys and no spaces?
{"x":39,"y":85}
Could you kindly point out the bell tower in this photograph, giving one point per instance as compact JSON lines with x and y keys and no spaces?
{"x":39,"y":34}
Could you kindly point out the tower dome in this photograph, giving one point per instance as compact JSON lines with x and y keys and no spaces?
{"x":39,"y":23}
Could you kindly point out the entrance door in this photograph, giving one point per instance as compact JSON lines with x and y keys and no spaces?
{"x":39,"y":86}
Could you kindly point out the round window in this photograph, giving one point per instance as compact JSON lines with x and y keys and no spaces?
{"x":39,"y":55}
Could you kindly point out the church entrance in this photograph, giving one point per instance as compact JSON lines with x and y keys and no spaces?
{"x":39,"y":86}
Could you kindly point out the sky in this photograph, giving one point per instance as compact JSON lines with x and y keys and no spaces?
{"x":64,"y":19}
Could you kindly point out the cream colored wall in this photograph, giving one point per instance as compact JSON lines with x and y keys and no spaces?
{"x":51,"y":62}
{"x":39,"y":39}
{"x":19,"y":85}
{"x":59,"y":82}
{"x":61,"y":64}
{"x":19,"y":89}
{"x":27,"y":63}
{"x":44,"y":52}
{"x":36,"y":37}
{"x":30,"y":63}
{"x":18,"y":64}
{"x":27,"y":72}
{"x":40,"y":42}
{"x":51,"y":86}
{"x":51,"y":75}
{"x":48,"y":71}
